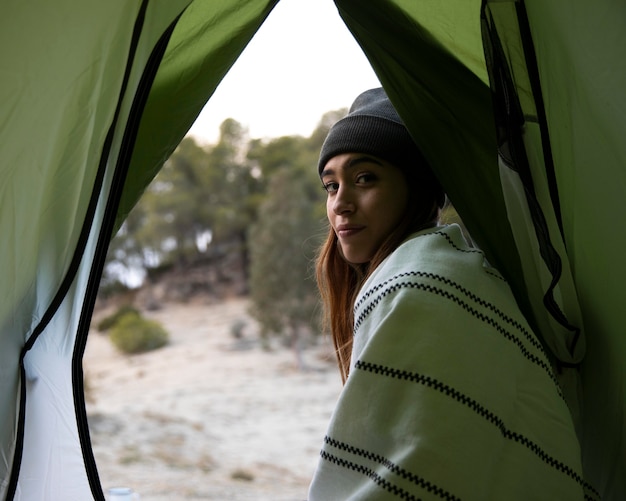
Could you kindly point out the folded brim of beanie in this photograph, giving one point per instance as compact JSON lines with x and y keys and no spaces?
{"x":373,"y":135}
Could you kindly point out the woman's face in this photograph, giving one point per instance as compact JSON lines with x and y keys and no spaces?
{"x":367,"y":198}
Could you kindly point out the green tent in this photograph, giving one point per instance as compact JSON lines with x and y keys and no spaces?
{"x":519,"y":106}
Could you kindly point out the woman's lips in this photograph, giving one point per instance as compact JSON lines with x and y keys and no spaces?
{"x":345,"y":231}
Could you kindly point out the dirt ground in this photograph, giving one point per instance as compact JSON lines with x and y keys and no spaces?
{"x":210,"y":416}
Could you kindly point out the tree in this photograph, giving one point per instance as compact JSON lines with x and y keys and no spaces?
{"x":215,"y":194}
{"x":321,"y":131}
{"x":283,"y":243}
{"x":202,"y":193}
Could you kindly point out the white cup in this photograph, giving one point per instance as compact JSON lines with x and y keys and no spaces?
{"x":122,"y":494}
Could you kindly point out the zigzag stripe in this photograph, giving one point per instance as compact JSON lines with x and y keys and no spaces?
{"x":455,"y":285}
{"x":401,"y":472}
{"x":467,"y":307}
{"x":375,"y":477}
{"x":472,"y":404}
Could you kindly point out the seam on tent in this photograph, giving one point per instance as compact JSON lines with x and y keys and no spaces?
{"x":104,"y":238}
{"x":535,"y":83}
{"x":509,"y":122}
{"x":72,"y":269}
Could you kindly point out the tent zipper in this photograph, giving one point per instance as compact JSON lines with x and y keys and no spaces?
{"x":104,"y":238}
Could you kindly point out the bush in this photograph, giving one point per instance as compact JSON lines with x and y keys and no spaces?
{"x":108,"y":322}
{"x":134,"y":334}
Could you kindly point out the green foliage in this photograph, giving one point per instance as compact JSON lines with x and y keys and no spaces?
{"x":111,"y":286}
{"x":260,"y":200}
{"x":134,"y":334}
{"x":283,"y":244}
{"x":109,"y":321}
{"x":200,"y":191}
{"x":321,"y":131}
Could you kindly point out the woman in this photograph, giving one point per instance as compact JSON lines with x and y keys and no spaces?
{"x":447,"y":392}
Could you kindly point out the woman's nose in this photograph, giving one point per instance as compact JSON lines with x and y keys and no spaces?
{"x":343,"y":201}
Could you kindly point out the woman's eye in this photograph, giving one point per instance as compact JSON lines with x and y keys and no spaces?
{"x":365,"y":178}
{"x":331,"y":187}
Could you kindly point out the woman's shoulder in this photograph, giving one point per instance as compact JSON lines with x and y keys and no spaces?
{"x":441,"y":247}
{"x":441,"y":253}
{"x":448,"y":239}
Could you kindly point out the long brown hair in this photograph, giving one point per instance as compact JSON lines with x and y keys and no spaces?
{"x":339,"y":281}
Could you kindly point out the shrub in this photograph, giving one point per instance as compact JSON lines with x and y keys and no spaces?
{"x":134,"y":334}
{"x":107,"y":322}
{"x":237,"y":327}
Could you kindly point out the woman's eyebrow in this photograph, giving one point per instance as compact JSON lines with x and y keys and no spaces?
{"x":353,"y":163}
{"x":327,"y":172}
{"x":364,"y":159}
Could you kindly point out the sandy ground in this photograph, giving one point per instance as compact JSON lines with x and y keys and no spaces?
{"x":209,"y":416}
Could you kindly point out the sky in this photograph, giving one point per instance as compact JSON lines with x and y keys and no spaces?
{"x":301,"y":63}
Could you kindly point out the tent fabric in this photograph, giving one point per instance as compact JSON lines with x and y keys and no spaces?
{"x":73,"y":102}
{"x":569,"y":129}
{"x":585,"y":111}
{"x":94,"y":96}
{"x":532,"y":208}
{"x":53,"y":132}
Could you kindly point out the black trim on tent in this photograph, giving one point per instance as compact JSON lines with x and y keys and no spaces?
{"x":104,"y":238}
{"x":535,"y":83}
{"x":70,"y":276}
{"x":510,"y":121}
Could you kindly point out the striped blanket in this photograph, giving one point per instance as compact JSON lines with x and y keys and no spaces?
{"x":450,"y":394}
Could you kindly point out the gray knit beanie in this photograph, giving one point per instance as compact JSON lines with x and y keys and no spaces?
{"x":371,"y":126}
